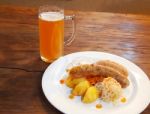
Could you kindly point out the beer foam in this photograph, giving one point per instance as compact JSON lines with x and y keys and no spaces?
{"x":51,"y":16}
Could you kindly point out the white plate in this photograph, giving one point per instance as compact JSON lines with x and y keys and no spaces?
{"x":137,"y":93}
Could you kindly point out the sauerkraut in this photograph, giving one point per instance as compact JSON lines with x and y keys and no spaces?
{"x":110,"y":89}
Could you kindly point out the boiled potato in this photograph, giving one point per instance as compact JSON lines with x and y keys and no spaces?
{"x":81,"y":88}
{"x":77,"y":81}
{"x":72,"y":82}
{"x":91,"y":95}
{"x":69,"y":82}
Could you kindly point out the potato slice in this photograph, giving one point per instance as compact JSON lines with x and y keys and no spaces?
{"x":77,"y":81}
{"x":72,"y":82}
{"x":81,"y":88}
{"x":91,"y":95}
{"x":69,"y":82}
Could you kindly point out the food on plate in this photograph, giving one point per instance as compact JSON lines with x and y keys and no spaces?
{"x":114,"y":65}
{"x":98,"y":70}
{"x":72,"y":82}
{"x":98,"y":106}
{"x":71,"y":96}
{"x":103,"y":79}
{"x":62,"y":81}
{"x":69,"y":82}
{"x":81,"y":88}
{"x":91,"y":95}
{"x":110,"y":89}
{"x":94,"y":79}
{"x":123,"y":100}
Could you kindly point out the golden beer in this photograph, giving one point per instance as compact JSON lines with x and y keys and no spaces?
{"x":51,"y":31}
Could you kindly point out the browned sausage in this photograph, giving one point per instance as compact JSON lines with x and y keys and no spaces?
{"x":98,"y":70}
{"x":114,"y":65}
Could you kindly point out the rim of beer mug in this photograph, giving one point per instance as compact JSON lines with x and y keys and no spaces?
{"x":50,"y":8}
{"x":53,"y":8}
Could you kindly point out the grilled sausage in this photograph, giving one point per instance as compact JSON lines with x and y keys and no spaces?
{"x":114,"y":65}
{"x":98,"y":70}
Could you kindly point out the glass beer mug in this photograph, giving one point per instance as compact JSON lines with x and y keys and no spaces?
{"x":51,"y":32}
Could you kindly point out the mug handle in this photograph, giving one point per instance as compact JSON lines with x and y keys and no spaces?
{"x":72,"y":37}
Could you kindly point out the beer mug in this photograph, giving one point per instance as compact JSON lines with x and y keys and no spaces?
{"x":51,"y":32}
